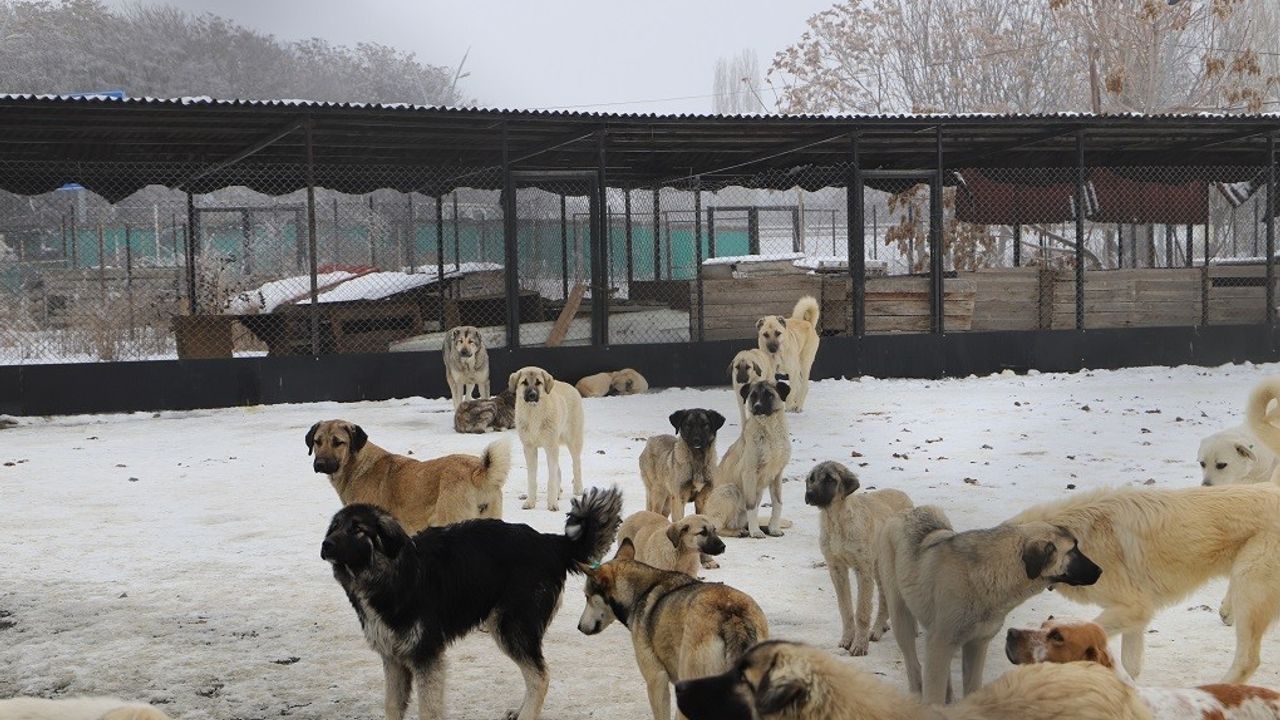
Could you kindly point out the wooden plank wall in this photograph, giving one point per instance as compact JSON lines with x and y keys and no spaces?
{"x":996,"y":299}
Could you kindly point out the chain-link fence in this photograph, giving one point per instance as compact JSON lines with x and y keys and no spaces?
{"x":159,"y":273}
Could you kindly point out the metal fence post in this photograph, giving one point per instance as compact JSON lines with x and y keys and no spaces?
{"x":856,"y":238}
{"x":510,"y":243}
{"x":1081,"y":209}
{"x":1190,"y":249}
{"x":936,"y":298}
{"x":657,"y":235}
{"x":192,"y":238}
{"x":1017,"y":245}
{"x":440,"y":252}
{"x":697,"y":252}
{"x":312,"y":262}
{"x":411,"y":236}
{"x":631,"y":262}
{"x":457,"y":244}
{"x":600,"y":254}
{"x":711,"y":231}
{"x":564,"y":249}
{"x":1271,"y":229}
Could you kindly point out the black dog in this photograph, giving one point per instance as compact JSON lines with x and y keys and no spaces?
{"x":416,"y":595}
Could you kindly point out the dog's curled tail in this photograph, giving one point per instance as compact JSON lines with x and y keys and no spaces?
{"x":806,"y":309}
{"x":593,"y":521}
{"x":496,"y":462}
{"x":1260,"y":421}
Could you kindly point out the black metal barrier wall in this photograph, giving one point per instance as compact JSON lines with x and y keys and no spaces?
{"x":191,"y":384}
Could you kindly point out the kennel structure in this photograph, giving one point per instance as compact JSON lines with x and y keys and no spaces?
{"x":255,"y":241}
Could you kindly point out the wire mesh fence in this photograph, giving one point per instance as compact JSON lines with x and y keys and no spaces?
{"x":88,"y":276}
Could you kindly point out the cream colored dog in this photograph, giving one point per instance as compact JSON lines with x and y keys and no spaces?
{"x":548,"y":415}
{"x":1064,"y":641}
{"x":621,"y":382}
{"x":778,"y":680}
{"x":670,"y":545}
{"x":748,"y":366}
{"x":792,"y":343}
{"x":1260,"y":421}
{"x":847,"y":537}
{"x":1157,"y":546}
{"x":755,"y":460}
{"x":78,"y":708}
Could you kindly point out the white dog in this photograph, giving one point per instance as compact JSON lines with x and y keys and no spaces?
{"x":548,"y":415}
{"x":792,"y":343}
{"x":1234,"y":457}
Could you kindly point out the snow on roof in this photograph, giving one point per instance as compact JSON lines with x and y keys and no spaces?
{"x":740,"y":259}
{"x":374,"y":286}
{"x":279,"y":292}
{"x":453,"y":270}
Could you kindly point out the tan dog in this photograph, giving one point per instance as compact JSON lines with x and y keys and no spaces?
{"x":676,"y":468}
{"x":748,"y":366}
{"x":1063,"y":641}
{"x":847,"y":536}
{"x":622,"y":382}
{"x":960,"y":586}
{"x":792,"y":343}
{"x":670,"y":545}
{"x":1157,"y":546}
{"x":466,"y":364}
{"x":78,"y":708}
{"x":419,"y":493}
{"x":755,"y":460}
{"x":548,"y":415}
{"x":724,"y":506}
{"x":681,"y":628}
{"x":779,"y":680}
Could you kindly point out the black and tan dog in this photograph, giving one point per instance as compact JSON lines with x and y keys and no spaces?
{"x":676,"y":468}
{"x":416,"y":594}
{"x":419,"y":493}
{"x":681,"y":628}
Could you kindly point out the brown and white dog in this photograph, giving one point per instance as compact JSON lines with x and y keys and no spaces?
{"x":1063,"y":640}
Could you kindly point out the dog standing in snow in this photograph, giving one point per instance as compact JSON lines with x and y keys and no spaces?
{"x":548,"y":415}
{"x":466,"y":364}
{"x":792,"y":343}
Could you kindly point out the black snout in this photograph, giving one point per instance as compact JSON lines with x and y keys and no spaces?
{"x":464,"y":353}
{"x":742,"y":376}
{"x":325,"y":465}
{"x":771,"y":347}
{"x":1080,"y":569}
{"x":1010,"y":642}
{"x":531,"y":396}
{"x":817,"y":498}
{"x":713,"y":546}
{"x":327,"y":549}
{"x":712,"y":698}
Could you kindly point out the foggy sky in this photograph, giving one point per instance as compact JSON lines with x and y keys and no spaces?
{"x":552,"y":53}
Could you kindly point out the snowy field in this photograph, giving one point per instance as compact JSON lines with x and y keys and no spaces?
{"x":174,"y":557}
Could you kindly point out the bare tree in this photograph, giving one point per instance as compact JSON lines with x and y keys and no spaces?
{"x":158,"y":50}
{"x":1038,"y":56}
{"x":736,"y":86}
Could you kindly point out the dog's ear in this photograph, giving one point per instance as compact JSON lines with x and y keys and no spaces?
{"x":848,"y":480}
{"x":782,"y":321}
{"x":511,"y":381}
{"x":1245,"y":452}
{"x":453,"y":334}
{"x":759,"y":324}
{"x":311,"y":437}
{"x":626,"y":550}
{"x":675,"y":532}
{"x":390,"y":537}
{"x":775,"y":696}
{"x":548,"y":380}
{"x":358,"y":437}
{"x":676,"y":418}
{"x":586,"y":568}
{"x":1100,"y":656}
{"x":783,"y":390}
{"x":716,"y":420}
{"x":1036,"y":555}
{"x":744,"y":391}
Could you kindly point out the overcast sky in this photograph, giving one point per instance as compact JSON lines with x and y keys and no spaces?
{"x":585,"y":54}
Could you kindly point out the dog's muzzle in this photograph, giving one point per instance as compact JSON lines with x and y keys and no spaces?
{"x":1012,"y":640}
{"x":327,"y":549}
{"x":531,"y":396}
{"x":772,"y":347}
{"x":328,"y":467}
{"x":464,"y":353}
{"x":1080,"y":570}
{"x":714,"y":547}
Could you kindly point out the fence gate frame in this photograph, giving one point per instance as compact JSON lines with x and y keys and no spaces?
{"x":933,"y":178}
{"x":597,"y":269}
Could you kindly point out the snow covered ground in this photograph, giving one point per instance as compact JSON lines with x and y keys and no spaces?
{"x":175,"y":557}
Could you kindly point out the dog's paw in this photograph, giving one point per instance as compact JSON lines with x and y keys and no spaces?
{"x":1225,"y":614}
{"x":758,"y":535}
{"x":879,"y":633}
{"x":858,"y":648}
{"x":528,"y":504}
{"x":511,"y":715}
{"x":710,"y":564}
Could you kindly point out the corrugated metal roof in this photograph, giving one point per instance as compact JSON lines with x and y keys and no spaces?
{"x":116,"y":146}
